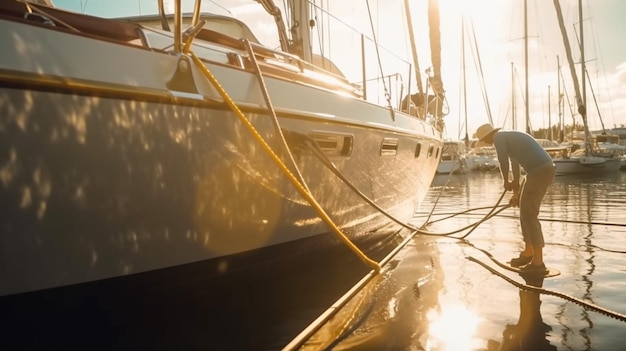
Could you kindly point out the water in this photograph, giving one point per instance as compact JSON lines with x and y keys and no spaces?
{"x":436,"y":298}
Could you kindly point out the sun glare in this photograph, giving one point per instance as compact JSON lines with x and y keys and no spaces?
{"x":452,"y":329}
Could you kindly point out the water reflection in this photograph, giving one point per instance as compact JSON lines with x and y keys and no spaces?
{"x":453,"y":328}
{"x":585,"y":229}
{"x":530,"y":332}
{"x":462,"y":306}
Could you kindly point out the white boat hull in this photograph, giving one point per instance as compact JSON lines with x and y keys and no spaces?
{"x":449,"y":166}
{"x":108,"y":171}
{"x":136,"y":200}
{"x":581,"y":165}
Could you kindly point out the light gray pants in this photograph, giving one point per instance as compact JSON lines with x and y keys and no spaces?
{"x":537,"y":182}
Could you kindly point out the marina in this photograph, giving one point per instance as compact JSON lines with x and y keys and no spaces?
{"x":169,"y":180}
{"x":447,"y":294}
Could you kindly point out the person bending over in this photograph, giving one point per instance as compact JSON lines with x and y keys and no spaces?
{"x":520,"y":149}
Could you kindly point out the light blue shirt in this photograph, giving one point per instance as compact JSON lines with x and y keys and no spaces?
{"x":518,"y":147}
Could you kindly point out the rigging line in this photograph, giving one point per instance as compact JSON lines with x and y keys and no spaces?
{"x":454,"y":214}
{"x":601,"y":56}
{"x":380,"y":66}
{"x":580,"y":98}
{"x":595,"y":101}
{"x":488,"y":216}
{"x":418,"y":77}
{"x":524,"y":98}
{"x":437,"y":200}
{"x":583,"y":303}
{"x":270,"y":107}
{"x":569,"y":104}
{"x":312,"y":145}
{"x":593,"y":94}
{"x":515,"y":217}
{"x":463,"y":87}
{"x":469,"y":226}
{"x":574,"y":221}
{"x":319,"y":24}
{"x":352,"y":28}
{"x":482,"y":75}
{"x":268,"y":149}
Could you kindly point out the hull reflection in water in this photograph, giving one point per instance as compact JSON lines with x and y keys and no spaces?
{"x":391,"y":312}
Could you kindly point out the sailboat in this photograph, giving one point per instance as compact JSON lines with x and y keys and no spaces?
{"x":153,"y":161}
{"x":452,"y":157}
{"x":587,"y":160}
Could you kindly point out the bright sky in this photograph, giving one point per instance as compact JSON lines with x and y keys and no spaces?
{"x":499,"y":32}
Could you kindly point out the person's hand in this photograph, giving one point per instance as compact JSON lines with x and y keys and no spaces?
{"x":508,"y":186}
{"x":515,"y":187}
{"x":514,"y":200}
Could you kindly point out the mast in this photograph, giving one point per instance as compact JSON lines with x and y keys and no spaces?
{"x":300,"y":31}
{"x":466,"y":139}
{"x":435,"y":48}
{"x":580,"y":99}
{"x":560,"y":99}
{"x":418,"y":76}
{"x":526,"y":65}
{"x":549,"y":117}
{"x":582,"y":55}
{"x":513,"y":104}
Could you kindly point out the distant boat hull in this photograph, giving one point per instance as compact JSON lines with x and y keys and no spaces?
{"x":450,"y":166}
{"x":452,"y":158}
{"x":581,"y":165}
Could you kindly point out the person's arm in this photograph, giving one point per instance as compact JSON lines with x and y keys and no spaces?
{"x":515,"y":184}
{"x":503,"y":158}
{"x":515,"y":168}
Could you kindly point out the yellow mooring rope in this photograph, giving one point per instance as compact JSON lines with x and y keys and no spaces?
{"x":227,"y":99}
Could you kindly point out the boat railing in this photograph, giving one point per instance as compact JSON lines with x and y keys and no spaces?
{"x":383,"y":76}
{"x":57,"y":19}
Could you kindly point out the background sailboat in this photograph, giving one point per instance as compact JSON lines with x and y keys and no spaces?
{"x":588,"y":159}
{"x":468,"y":154}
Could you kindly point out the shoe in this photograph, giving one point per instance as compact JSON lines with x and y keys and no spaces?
{"x":521,"y":261}
{"x":534,"y":270}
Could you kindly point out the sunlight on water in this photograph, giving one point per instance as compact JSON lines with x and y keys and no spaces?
{"x":468,"y":302}
{"x":452,"y":329}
